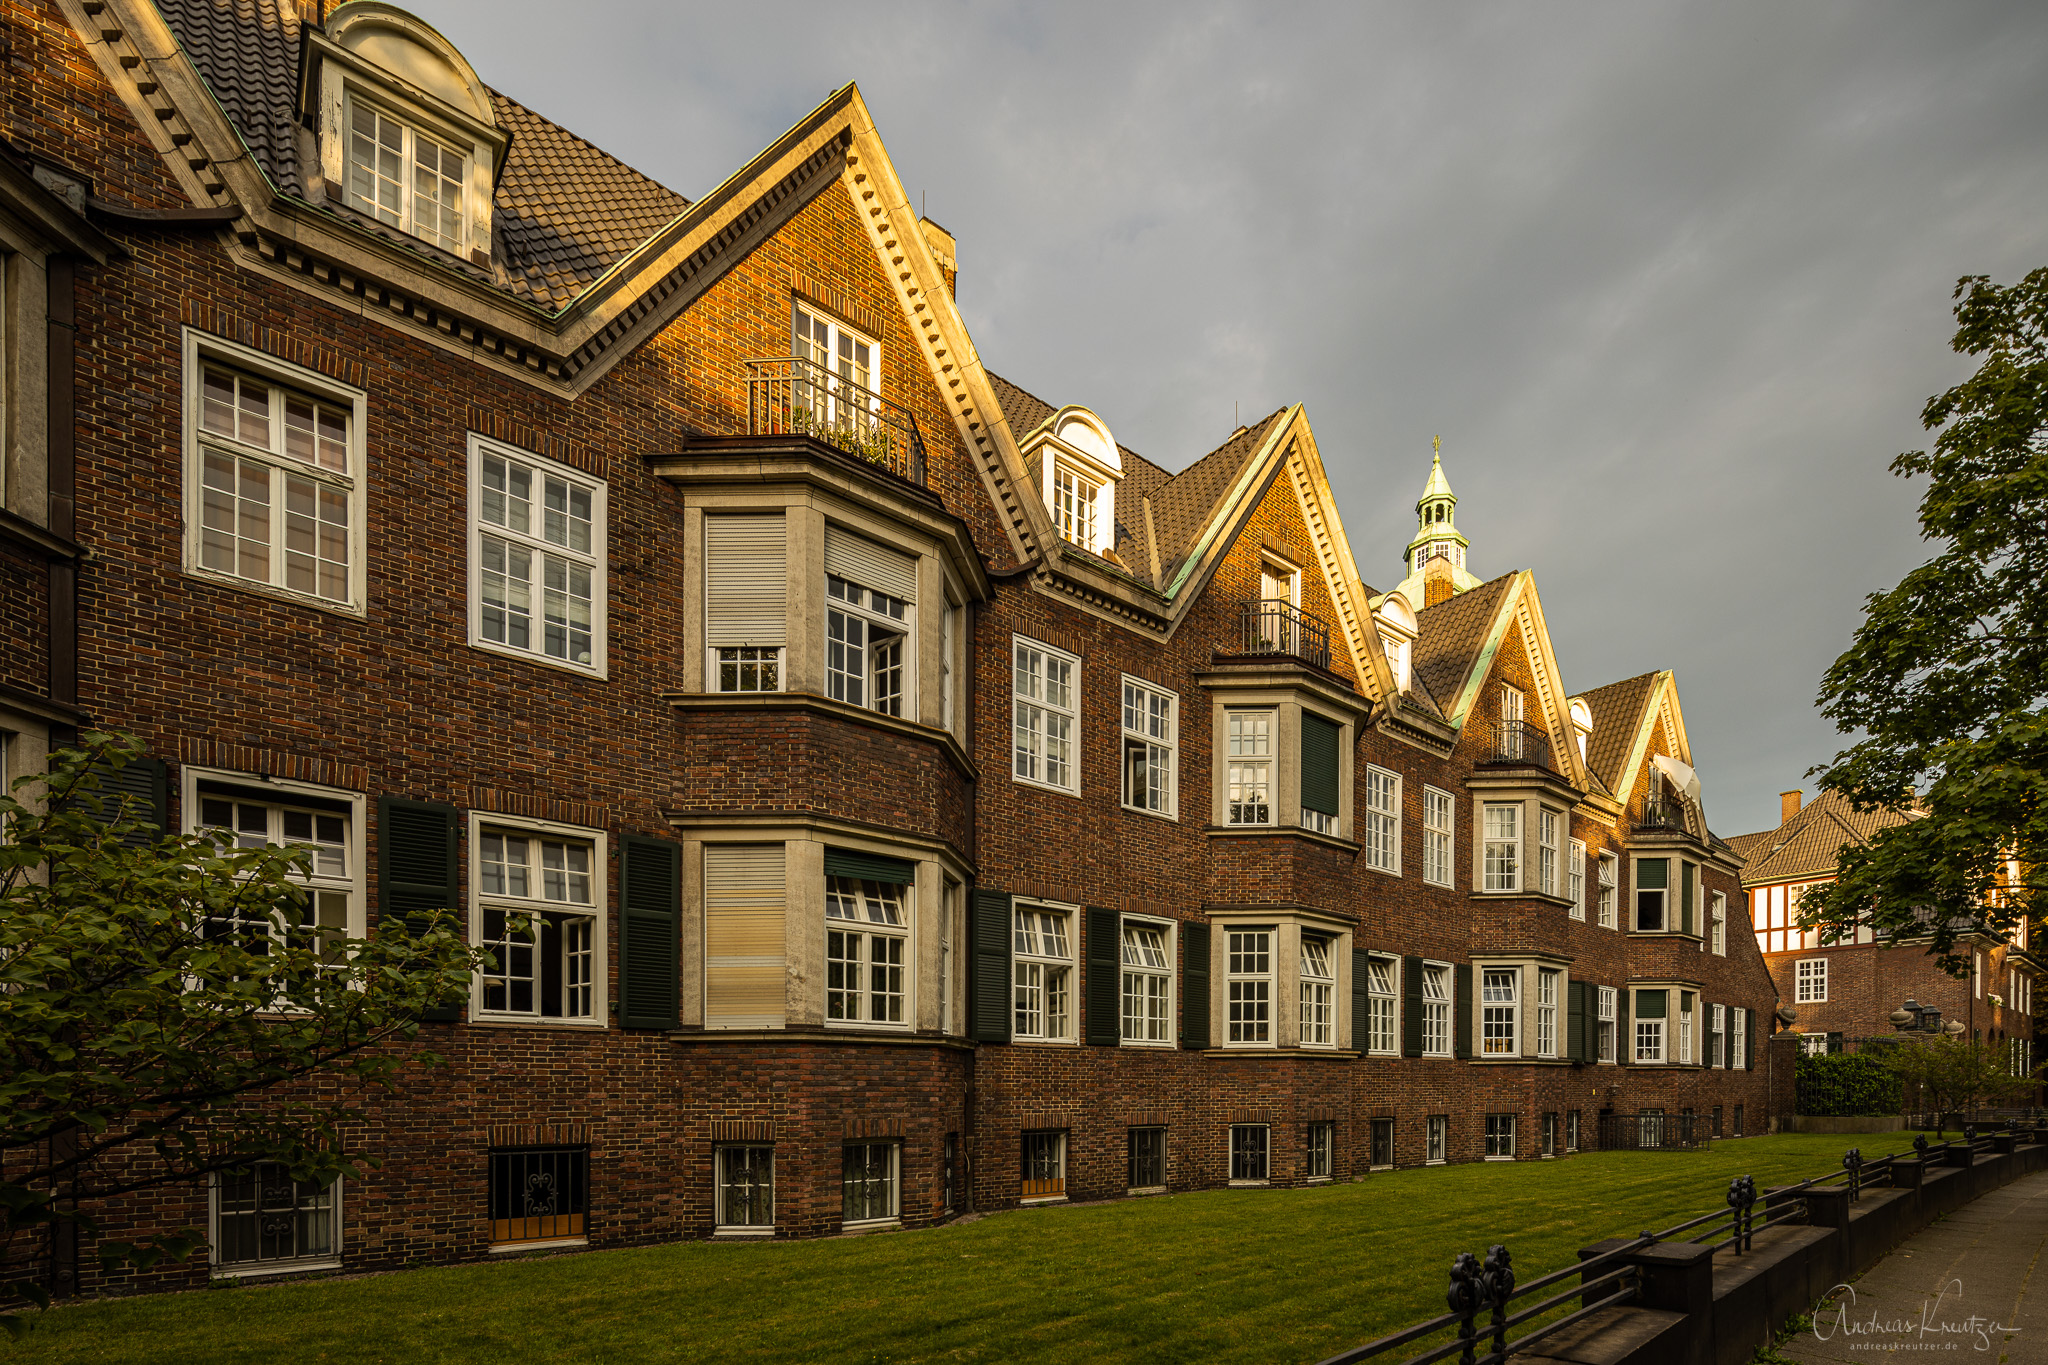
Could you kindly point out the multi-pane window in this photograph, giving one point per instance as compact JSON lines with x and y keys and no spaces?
{"x":1438,"y":840}
{"x":1318,"y":992}
{"x":278,"y":487}
{"x":1075,"y":498}
{"x":1571,"y":1130}
{"x":1606,"y":1022}
{"x":1649,"y":1037}
{"x":867,"y":930}
{"x":746,"y":601}
{"x":1500,"y":1135}
{"x":1044,"y":1166}
{"x":1147,"y":984}
{"x":1738,"y":1120}
{"x":1738,"y":1048}
{"x":867,"y":1182}
{"x":1652,"y":888}
{"x":1380,"y":1143}
{"x":1147,"y":1159}
{"x":1718,"y":926}
{"x":1546,"y":1010}
{"x":539,"y":1194}
{"x":865,"y":638}
{"x":1503,"y":852}
{"x":1316,"y":1162}
{"x":1608,"y":866}
{"x":1575,"y":879}
{"x":1547,"y":822}
{"x":1151,"y":735}
{"x":1045,"y":683}
{"x":1044,"y":968}
{"x":1436,"y":1010}
{"x":1497,"y":1006}
{"x":262,"y":1218}
{"x":1379,"y":1004}
{"x":1250,"y":985}
{"x":1383,"y":820}
{"x":1812,"y":980}
{"x":537,"y":913}
{"x":837,"y":397}
{"x":328,"y":886}
{"x":1717,"y":1036}
{"x":746,"y":1187}
{"x":1685,"y":1001}
{"x":1248,"y":736}
{"x":1436,"y":1138}
{"x":403,"y":177}
{"x":1249,"y":1151}
{"x":539,"y":556}
{"x":1547,"y":1133}
{"x":1279,"y":583}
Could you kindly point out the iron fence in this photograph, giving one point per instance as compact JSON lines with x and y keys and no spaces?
{"x":793,"y":396}
{"x":1665,"y":812}
{"x":1517,"y":741}
{"x":1655,"y":1132}
{"x":1276,"y":626}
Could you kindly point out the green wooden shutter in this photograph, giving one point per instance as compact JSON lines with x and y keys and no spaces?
{"x":1686,"y":871}
{"x":1361,"y":999}
{"x":1411,"y":1006}
{"x":1105,"y":976}
{"x":141,"y":788}
{"x":1624,"y":1041}
{"x":1461,"y":1008}
{"x":1749,"y":1040}
{"x":417,"y":873}
{"x":1319,"y":763}
{"x":650,"y":922}
{"x":1575,"y":1021}
{"x":1194,"y":985}
{"x":989,"y":981}
{"x":872,"y":867}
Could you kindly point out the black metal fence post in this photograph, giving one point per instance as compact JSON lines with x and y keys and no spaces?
{"x":1464,"y":1300}
{"x":1742,"y":1199}
{"x":1852,"y":1162}
{"x":1499,"y":1280}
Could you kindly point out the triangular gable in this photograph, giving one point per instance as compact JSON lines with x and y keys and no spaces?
{"x":1520,"y":611}
{"x":1660,"y":705}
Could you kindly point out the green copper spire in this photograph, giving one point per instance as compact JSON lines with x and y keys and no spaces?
{"x":1436,"y":534}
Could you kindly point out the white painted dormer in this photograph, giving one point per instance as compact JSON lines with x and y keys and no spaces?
{"x":1396,"y":620}
{"x":1582,"y":724}
{"x":406,"y":132}
{"x":1079,"y":468}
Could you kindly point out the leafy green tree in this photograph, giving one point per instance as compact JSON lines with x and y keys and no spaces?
{"x":1952,"y":1075}
{"x":1947,"y":676}
{"x":168,"y":1010}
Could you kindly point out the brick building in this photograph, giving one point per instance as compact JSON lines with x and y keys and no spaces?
{"x":1834,"y":991}
{"x":925,"y":801}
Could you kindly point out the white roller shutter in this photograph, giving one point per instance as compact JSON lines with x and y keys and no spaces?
{"x":870,"y":565}
{"x":743,"y":939}
{"x":746,"y":580}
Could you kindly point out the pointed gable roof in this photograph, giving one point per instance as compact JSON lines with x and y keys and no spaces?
{"x":1811,"y":842}
{"x":1617,"y":715}
{"x":1452,"y":635}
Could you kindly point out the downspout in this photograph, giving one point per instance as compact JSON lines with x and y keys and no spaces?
{"x":61,"y":422}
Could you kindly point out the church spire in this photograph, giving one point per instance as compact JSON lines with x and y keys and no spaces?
{"x":1436,"y":528}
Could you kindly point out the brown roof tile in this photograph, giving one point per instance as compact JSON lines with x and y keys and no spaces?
{"x":1811,"y":842}
{"x":1450,"y":635}
{"x":1617,"y":715}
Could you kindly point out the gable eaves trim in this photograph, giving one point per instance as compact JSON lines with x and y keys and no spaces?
{"x":1475,"y":676}
{"x":1340,"y":570}
{"x":1555,"y":700}
{"x":1646,"y":721}
{"x":1254,"y":472}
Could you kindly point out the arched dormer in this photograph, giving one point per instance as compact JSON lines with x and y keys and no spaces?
{"x":408,"y":134}
{"x":1079,"y":467}
{"x":1582,"y":724}
{"x":1396,"y":620}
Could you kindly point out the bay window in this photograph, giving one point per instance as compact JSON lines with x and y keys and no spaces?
{"x":1499,"y":1001}
{"x":1249,"y":986}
{"x":867,"y":947}
{"x":870,"y":620}
{"x":746,"y":588}
{"x":1503,"y":852}
{"x":1650,"y":1010}
{"x":1653,"y":876}
{"x":1250,"y":791}
{"x":1318,"y":980}
{"x":1547,"y":979}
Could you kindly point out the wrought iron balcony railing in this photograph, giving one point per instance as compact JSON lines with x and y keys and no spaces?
{"x":1663,"y":812}
{"x":1277,"y":626}
{"x":793,"y":396}
{"x":1517,"y":741}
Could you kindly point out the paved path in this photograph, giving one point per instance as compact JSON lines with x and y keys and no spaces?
{"x":1937,"y":1297}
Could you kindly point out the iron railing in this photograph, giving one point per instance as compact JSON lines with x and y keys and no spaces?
{"x":798,"y":397}
{"x":1517,"y":741}
{"x":1276,"y":626}
{"x":1663,"y":812}
{"x":1608,"y":1279}
{"x":1655,"y":1132}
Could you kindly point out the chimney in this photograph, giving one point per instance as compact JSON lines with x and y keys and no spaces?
{"x":1788,"y":805}
{"x":942,"y":245}
{"x":1437,"y":584}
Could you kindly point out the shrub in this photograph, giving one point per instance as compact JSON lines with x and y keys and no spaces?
{"x":1847,"y":1084}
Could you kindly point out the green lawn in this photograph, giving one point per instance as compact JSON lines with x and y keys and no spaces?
{"x":1224,"y":1275}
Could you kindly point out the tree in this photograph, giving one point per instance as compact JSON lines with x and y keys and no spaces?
{"x":1953,"y":1074}
{"x":1947,"y":675}
{"x":169,"y":1010}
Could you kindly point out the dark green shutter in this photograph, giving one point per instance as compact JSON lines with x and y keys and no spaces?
{"x":1461,"y":1007}
{"x":417,"y":873}
{"x":1652,"y":1004}
{"x":1575,"y":1025}
{"x":1361,"y":1001}
{"x":1749,"y":1040}
{"x":650,"y":922}
{"x":1194,"y":985}
{"x":1319,"y":763}
{"x":989,"y":981}
{"x":1411,"y":1006}
{"x":1105,"y":976}
{"x":1624,"y":1041}
{"x":871,"y":867}
{"x":1686,"y":871}
{"x":141,"y":789}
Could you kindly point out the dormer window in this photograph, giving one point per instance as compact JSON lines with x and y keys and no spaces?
{"x":1397,"y":638}
{"x":1075,"y":496}
{"x":1079,"y":466}
{"x":402,"y":177}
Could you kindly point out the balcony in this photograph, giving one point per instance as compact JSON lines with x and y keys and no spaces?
{"x":1276,"y":626}
{"x":796,"y":397}
{"x":1517,"y":741}
{"x":1663,"y":813}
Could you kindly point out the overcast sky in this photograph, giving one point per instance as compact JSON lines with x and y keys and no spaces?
{"x":1672,"y":281}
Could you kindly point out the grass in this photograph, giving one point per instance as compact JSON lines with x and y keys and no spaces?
{"x":1221,"y":1275}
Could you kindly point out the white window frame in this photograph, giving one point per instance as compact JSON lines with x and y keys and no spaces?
{"x":836,"y":412}
{"x":1608,"y":894}
{"x":1503,"y":875}
{"x":596,"y":911}
{"x":1046,"y":976}
{"x":407,"y":215}
{"x":720,"y":1214}
{"x":1383,"y":820}
{"x":1687,"y":1004}
{"x":1157,"y":735}
{"x":1266,"y":763}
{"x":1575,"y":878}
{"x":1319,"y":1159}
{"x":1033,"y":717}
{"x":1272,"y":571}
{"x":1439,"y":836}
{"x":202,"y":352}
{"x":1439,"y":1012}
{"x":1054,"y":1142}
{"x":1500,"y":1137}
{"x":328,"y":1260}
{"x":865,"y":928}
{"x":1810,"y":981}
{"x":1571,"y":1130}
{"x":541,"y":549}
{"x":1548,"y":986}
{"x":1719,"y":924}
{"x":1078,"y":505}
{"x":1717,"y":1028}
{"x":1497,"y":1011}
{"x":1265,"y":1153}
{"x":1548,"y":822}
{"x":1606,"y":1026}
{"x":1382,"y":1007}
{"x":1436,"y":1139}
{"x":853,"y":602}
{"x":1650,"y":1045}
{"x":1156,"y":984}
{"x":1318,"y":992}
{"x":1248,"y":1020}
{"x":1738,"y":1039}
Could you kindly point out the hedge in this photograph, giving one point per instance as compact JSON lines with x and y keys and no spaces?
{"x":1846,"y":1085}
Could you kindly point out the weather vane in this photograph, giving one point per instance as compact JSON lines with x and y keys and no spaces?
{"x":1438,"y":442}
